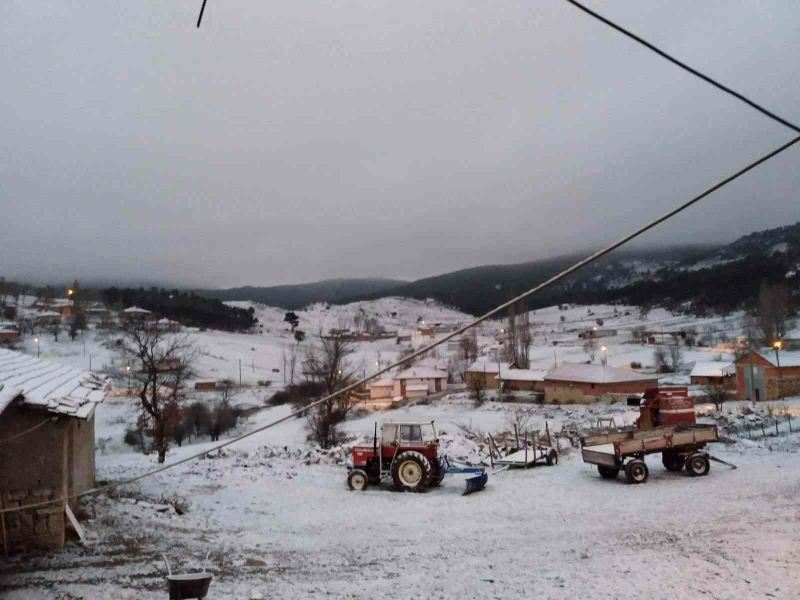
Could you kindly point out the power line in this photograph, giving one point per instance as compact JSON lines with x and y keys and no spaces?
{"x":686,"y":67}
{"x":553,"y":280}
{"x":200,"y":18}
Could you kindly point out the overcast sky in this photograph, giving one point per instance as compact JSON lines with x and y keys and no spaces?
{"x":293,"y":141}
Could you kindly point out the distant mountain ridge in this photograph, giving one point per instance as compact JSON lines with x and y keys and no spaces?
{"x":300,"y":295}
{"x":715,"y":277}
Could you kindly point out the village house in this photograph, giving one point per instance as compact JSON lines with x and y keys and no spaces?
{"x":596,"y":332}
{"x":46,"y":318}
{"x":581,"y":383}
{"x":484,"y":373}
{"x":713,"y":373}
{"x":46,"y":446}
{"x":768,"y":375}
{"x":9,"y":333}
{"x":422,"y":336}
{"x":521,"y":380}
{"x":419,"y":382}
{"x":134,"y":313}
{"x":381,"y":393}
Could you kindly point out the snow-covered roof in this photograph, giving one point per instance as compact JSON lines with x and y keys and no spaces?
{"x":522,"y":374}
{"x":584,"y":373}
{"x":787,"y":358}
{"x":712,"y":369}
{"x":48,"y":314}
{"x":58,"y":388}
{"x":421,"y":373}
{"x":135,"y":310}
{"x":381,"y":383}
{"x":433,"y":363}
{"x":485,"y":366}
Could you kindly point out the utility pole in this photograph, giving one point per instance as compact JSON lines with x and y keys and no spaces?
{"x":240,"y":372}
{"x":778,"y":345}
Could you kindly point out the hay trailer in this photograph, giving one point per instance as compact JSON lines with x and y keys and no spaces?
{"x":667,"y":426}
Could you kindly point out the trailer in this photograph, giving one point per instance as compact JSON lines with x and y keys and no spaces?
{"x":680,"y":446}
{"x":666,"y":425}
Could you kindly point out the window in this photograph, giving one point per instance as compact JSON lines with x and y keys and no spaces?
{"x":410,"y":433}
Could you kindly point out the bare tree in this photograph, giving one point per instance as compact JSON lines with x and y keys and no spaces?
{"x":518,"y":336}
{"x":327,"y":364}
{"x":717,"y":394}
{"x":661,"y":359}
{"x":774,"y":312}
{"x":590,"y":347}
{"x":477,"y":388}
{"x":468,"y":346}
{"x":162,"y":362}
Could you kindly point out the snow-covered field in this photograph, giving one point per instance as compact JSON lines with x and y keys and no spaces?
{"x":280,"y":523}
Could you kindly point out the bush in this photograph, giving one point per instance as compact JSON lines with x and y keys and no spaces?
{"x":135,"y":439}
{"x":223,"y":418}
{"x":636,"y":365}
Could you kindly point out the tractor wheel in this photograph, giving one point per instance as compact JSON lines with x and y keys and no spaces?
{"x":357,"y":480}
{"x":607,"y":472}
{"x":437,"y":474}
{"x":672,"y":461}
{"x":411,"y":471}
{"x":636,"y":471}
{"x":551,"y":458}
{"x":697,"y":464}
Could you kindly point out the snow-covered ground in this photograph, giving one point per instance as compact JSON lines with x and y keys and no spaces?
{"x":280,"y":523}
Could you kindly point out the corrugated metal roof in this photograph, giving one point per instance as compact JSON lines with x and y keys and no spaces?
{"x":584,"y":373}
{"x":421,"y":373}
{"x":787,"y":358}
{"x":50,"y":385}
{"x":712,"y":369}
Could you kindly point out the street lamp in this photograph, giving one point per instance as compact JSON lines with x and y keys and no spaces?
{"x":36,"y":339}
{"x":128,"y":369}
{"x":604,"y":350}
{"x":778,"y":346}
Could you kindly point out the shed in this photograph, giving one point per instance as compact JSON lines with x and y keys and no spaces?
{"x":46,"y":444}
{"x":768,"y":375}
{"x":713,"y":373}
{"x":531,"y":380}
{"x":585,"y":383}
{"x":433,"y":379}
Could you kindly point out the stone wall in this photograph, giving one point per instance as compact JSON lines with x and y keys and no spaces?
{"x":778,"y":387}
{"x":35,"y":528}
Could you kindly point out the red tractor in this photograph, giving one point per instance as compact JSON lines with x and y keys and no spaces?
{"x":408,"y":452}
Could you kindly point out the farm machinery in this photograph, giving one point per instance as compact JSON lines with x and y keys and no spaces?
{"x":407,"y":452}
{"x":666,"y":425}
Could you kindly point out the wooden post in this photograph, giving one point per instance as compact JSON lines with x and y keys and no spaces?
{"x":789,"y":418}
{"x":516,"y":435}
{"x":526,"y":450}
{"x":547,"y":430}
{"x":491,"y":454}
{"x":763,"y":433}
{"x":3,"y":526}
{"x":776,"y":427}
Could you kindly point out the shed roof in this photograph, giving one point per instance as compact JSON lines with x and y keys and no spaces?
{"x":43,"y":383}
{"x":135,"y":310}
{"x":486,"y":366}
{"x":712,"y":369}
{"x":421,"y":373}
{"x":787,"y":358}
{"x":522,"y":374}
{"x":584,"y":373}
{"x":381,"y":383}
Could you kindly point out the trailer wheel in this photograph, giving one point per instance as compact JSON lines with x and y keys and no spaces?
{"x":697,"y":464}
{"x":636,"y":471}
{"x":672,"y":461}
{"x":607,"y":472}
{"x":357,"y":480}
{"x":551,"y":458}
{"x":411,"y":472}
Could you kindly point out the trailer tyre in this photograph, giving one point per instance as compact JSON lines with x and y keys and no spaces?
{"x":551,"y":458}
{"x":697,"y":464}
{"x":636,"y":471}
{"x":607,"y":472}
{"x":672,"y":461}
{"x":357,"y":480}
{"x":411,"y":472}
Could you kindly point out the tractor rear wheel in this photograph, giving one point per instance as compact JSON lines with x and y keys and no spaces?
{"x":551,"y":458}
{"x":357,"y":480}
{"x":672,"y":461}
{"x":607,"y":472}
{"x":697,"y":464}
{"x":411,"y":472}
{"x":636,"y":471}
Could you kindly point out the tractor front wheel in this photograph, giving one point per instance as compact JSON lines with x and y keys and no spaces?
{"x":697,"y":464}
{"x":411,"y":472}
{"x":636,"y":471}
{"x":357,"y":480}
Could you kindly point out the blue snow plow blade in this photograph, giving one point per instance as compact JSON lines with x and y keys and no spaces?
{"x":475,"y":483}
